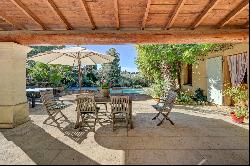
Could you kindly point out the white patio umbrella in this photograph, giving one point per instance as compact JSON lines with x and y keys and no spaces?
{"x":71,"y":56}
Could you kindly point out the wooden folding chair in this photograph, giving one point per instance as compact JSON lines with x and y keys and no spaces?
{"x":120,"y":109}
{"x":58,"y":103}
{"x":87,"y":108}
{"x":165,"y":106}
{"x":51,"y":106}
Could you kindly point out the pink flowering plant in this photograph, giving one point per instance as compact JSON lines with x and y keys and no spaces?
{"x":104,"y":84}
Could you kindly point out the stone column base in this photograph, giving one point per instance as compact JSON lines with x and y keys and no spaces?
{"x":13,"y":115}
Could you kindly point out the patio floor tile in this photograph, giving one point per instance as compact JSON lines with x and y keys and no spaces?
{"x":196,"y":138}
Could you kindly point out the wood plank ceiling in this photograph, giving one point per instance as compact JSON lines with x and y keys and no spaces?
{"x":43,"y":18}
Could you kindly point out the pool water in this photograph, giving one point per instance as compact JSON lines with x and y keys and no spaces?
{"x":127,"y":90}
{"x":113,"y":91}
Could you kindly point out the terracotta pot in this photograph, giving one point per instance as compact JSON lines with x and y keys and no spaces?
{"x":236,"y":119}
{"x":105,"y":92}
{"x":157,"y":99}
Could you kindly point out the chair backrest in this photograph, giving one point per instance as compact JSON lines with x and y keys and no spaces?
{"x":86,"y":103}
{"x":60,"y":91}
{"x":119,"y":103}
{"x":50,"y":93}
{"x":170,"y":99}
{"x":47,"y":99}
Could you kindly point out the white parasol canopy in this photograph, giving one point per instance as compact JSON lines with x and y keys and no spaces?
{"x":72,"y":56}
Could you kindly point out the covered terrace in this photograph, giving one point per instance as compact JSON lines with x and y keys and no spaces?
{"x":197,"y":138}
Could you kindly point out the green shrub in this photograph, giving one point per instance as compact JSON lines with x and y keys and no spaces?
{"x":199,"y":96}
{"x":240,"y":111}
{"x":156,"y":90}
{"x":239,"y":96}
{"x":184,"y":98}
{"x":238,"y":93}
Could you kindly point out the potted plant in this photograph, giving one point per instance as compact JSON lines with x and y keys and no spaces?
{"x":239,"y":96}
{"x":239,"y":114}
{"x":105,"y":88}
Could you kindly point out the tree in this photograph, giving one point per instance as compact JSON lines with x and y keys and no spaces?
{"x":111,"y":72}
{"x":90,"y":75}
{"x":40,"y":49}
{"x":133,"y":79}
{"x":36,"y":50}
{"x":48,"y":75}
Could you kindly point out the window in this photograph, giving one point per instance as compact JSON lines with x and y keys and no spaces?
{"x":189,"y":77}
{"x":189,"y":74}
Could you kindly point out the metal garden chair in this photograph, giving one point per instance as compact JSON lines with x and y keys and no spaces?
{"x":165,"y":106}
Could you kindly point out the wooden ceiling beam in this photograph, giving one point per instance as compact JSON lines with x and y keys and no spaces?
{"x":145,"y":17}
{"x":204,"y":13}
{"x":22,"y":7}
{"x":85,"y":5}
{"x":173,"y":36}
{"x":175,"y":13}
{"x":246,"y":25}
{"x":10,"y":21}
{"x":117,"y":20}
{"x":233,"y":13}
{"x":59,"y":14}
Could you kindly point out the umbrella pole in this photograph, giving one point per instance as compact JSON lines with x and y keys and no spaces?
{"x":79,"y":74}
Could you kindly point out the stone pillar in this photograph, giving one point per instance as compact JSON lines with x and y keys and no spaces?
{"x":14,"y":108}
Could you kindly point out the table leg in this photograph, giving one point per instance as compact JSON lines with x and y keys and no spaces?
{"x":77,"y":125}
{"x":33,"y":101}
{"x":130,"y":111}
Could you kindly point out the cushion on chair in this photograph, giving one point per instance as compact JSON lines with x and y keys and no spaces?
{"x":155,"y":106}
{"x":159,"y":107}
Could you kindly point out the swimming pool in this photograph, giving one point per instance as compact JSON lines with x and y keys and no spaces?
{"x":114,"y":91}
{"x":127,"y":90}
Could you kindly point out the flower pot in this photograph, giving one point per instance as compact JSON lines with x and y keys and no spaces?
{"x":236,"y":119}
{"x":157,"y":99}
{"x":105,"y":92}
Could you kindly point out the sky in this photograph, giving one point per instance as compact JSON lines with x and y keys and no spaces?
{"x":127,"y":54}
